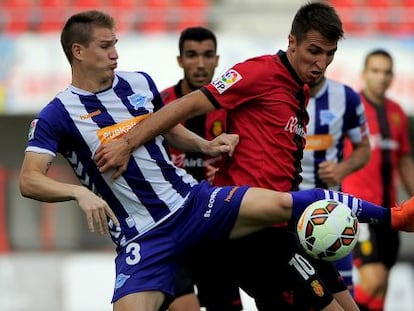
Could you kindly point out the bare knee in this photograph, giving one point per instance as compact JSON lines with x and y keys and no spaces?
{"x":374,"y":278}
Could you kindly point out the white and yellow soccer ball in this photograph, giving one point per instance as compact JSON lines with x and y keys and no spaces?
{"x":328,"y":230}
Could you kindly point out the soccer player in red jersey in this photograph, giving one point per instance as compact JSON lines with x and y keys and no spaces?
{"x":377,"y":250}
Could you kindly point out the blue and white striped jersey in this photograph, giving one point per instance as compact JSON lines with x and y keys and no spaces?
{"x":76,"y":122}
{"x":335,"y":112}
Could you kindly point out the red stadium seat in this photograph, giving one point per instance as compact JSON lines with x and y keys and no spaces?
{"x":194,"y":13}
{"x":54,"y":14}
{"x":124,"y":12}
{"x":156,"y":18}
{"x":18,"y":17}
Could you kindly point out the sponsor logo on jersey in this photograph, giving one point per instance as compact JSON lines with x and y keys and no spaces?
{"x":396,"y":119}
{"x":228,"y":79}
{"x":114,"y":131}
{"x":319,"y":142}
{"x":366,"y":247}
{"x":292,"y":126}
{"x":211,"y":202}
{"x":32,"y":129}
{"x":120,"y":280}
{"x":231,"y":193}
{"x":137,"y":100}
{"x":378,"y":142}
{"x":317,"y":288}
{"x":326,"y":117}
{"x":90,"y":115}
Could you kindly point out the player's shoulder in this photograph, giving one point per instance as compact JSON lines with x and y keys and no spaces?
{"x":351,"y":95}
{"x":394,"y":105}
{"x":345,"y":86}
{"x":168,"y":94}
{"x":132,"y":74}
{"x":261,"y":60}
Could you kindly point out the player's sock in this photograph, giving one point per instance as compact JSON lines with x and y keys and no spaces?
{"x":367,"y":302}
{"x":365,"y":211}
{"x":402,"y":217}
{"x":361,"y":298}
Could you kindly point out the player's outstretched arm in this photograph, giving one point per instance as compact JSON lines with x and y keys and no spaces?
{"x":115,"y":155}
{"x":35,"y":184}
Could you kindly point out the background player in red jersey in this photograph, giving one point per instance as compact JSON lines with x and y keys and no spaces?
{"x":198,"y":58}
{"x":377,"y":249}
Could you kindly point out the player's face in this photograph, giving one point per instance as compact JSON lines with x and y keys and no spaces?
{"x":378,"y":75}
{"x":99,"y":58}
{"x":198,"y":60}
{"x":312,"y":56}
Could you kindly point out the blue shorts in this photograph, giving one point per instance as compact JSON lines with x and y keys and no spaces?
{"x":149,"y":263}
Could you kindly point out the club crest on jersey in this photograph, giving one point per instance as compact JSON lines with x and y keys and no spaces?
{"x":226,"y":80}
{"x":326,"y":117}
{"x":120,"y":280}
{"x":137,"y":100}
{"x":32,"y":129}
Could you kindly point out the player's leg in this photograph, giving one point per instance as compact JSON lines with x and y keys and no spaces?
{"x":142,"y":301}
{"x":374,"y":255}
{"x":261,"y":208}
{"x":187,"y":302}
{"x":217,"y":288}
{"x":274,"y":270}
{"x":345,"y":269}
{"x":336,"y":283}
{"x":185,"y":297}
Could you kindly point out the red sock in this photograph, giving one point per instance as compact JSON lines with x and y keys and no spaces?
{"x":367,"y":301}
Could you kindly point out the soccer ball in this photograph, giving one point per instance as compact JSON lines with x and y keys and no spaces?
{"x":327,"y":230}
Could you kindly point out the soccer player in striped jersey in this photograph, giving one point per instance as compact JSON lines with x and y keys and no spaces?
{"x":154,"y":211}
{"x":335,"y":113}
{"x":377,"y":249}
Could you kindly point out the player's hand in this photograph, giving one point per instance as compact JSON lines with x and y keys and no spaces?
{"x":224,"y":143}
{"x":211,"y":173}
{"x":328,"y":172}
{"x":113,"y":155}
{"x":96,"y":210}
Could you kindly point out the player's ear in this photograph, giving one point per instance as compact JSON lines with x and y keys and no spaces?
{"x":291,"y":42}
{"x":77,"y":50}
{"x":180,"y":61}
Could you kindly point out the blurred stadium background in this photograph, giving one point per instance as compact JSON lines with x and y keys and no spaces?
{"x":48,"y":260}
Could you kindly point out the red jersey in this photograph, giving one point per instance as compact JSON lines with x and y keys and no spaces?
{"x":266,"y":105}
{"x":207,"y":126}
{"x":388,"y":133}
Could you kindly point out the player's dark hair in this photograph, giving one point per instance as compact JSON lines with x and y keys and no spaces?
{"x":196,"y":34}
{"x":78,"y":29}
{"x":320,"y":17}
{"x":377,"y":52}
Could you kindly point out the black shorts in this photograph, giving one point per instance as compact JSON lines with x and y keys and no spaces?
{"x":377,"y":244}
{"x":271,"y":267}
{"x":184,"y":284}
{"x":217,"y":288}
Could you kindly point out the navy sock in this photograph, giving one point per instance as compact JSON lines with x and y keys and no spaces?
{"x":365,"y":211}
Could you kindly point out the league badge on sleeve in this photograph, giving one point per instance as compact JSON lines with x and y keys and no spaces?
{"x":226,"y":80}
{"x":32,"y":129}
